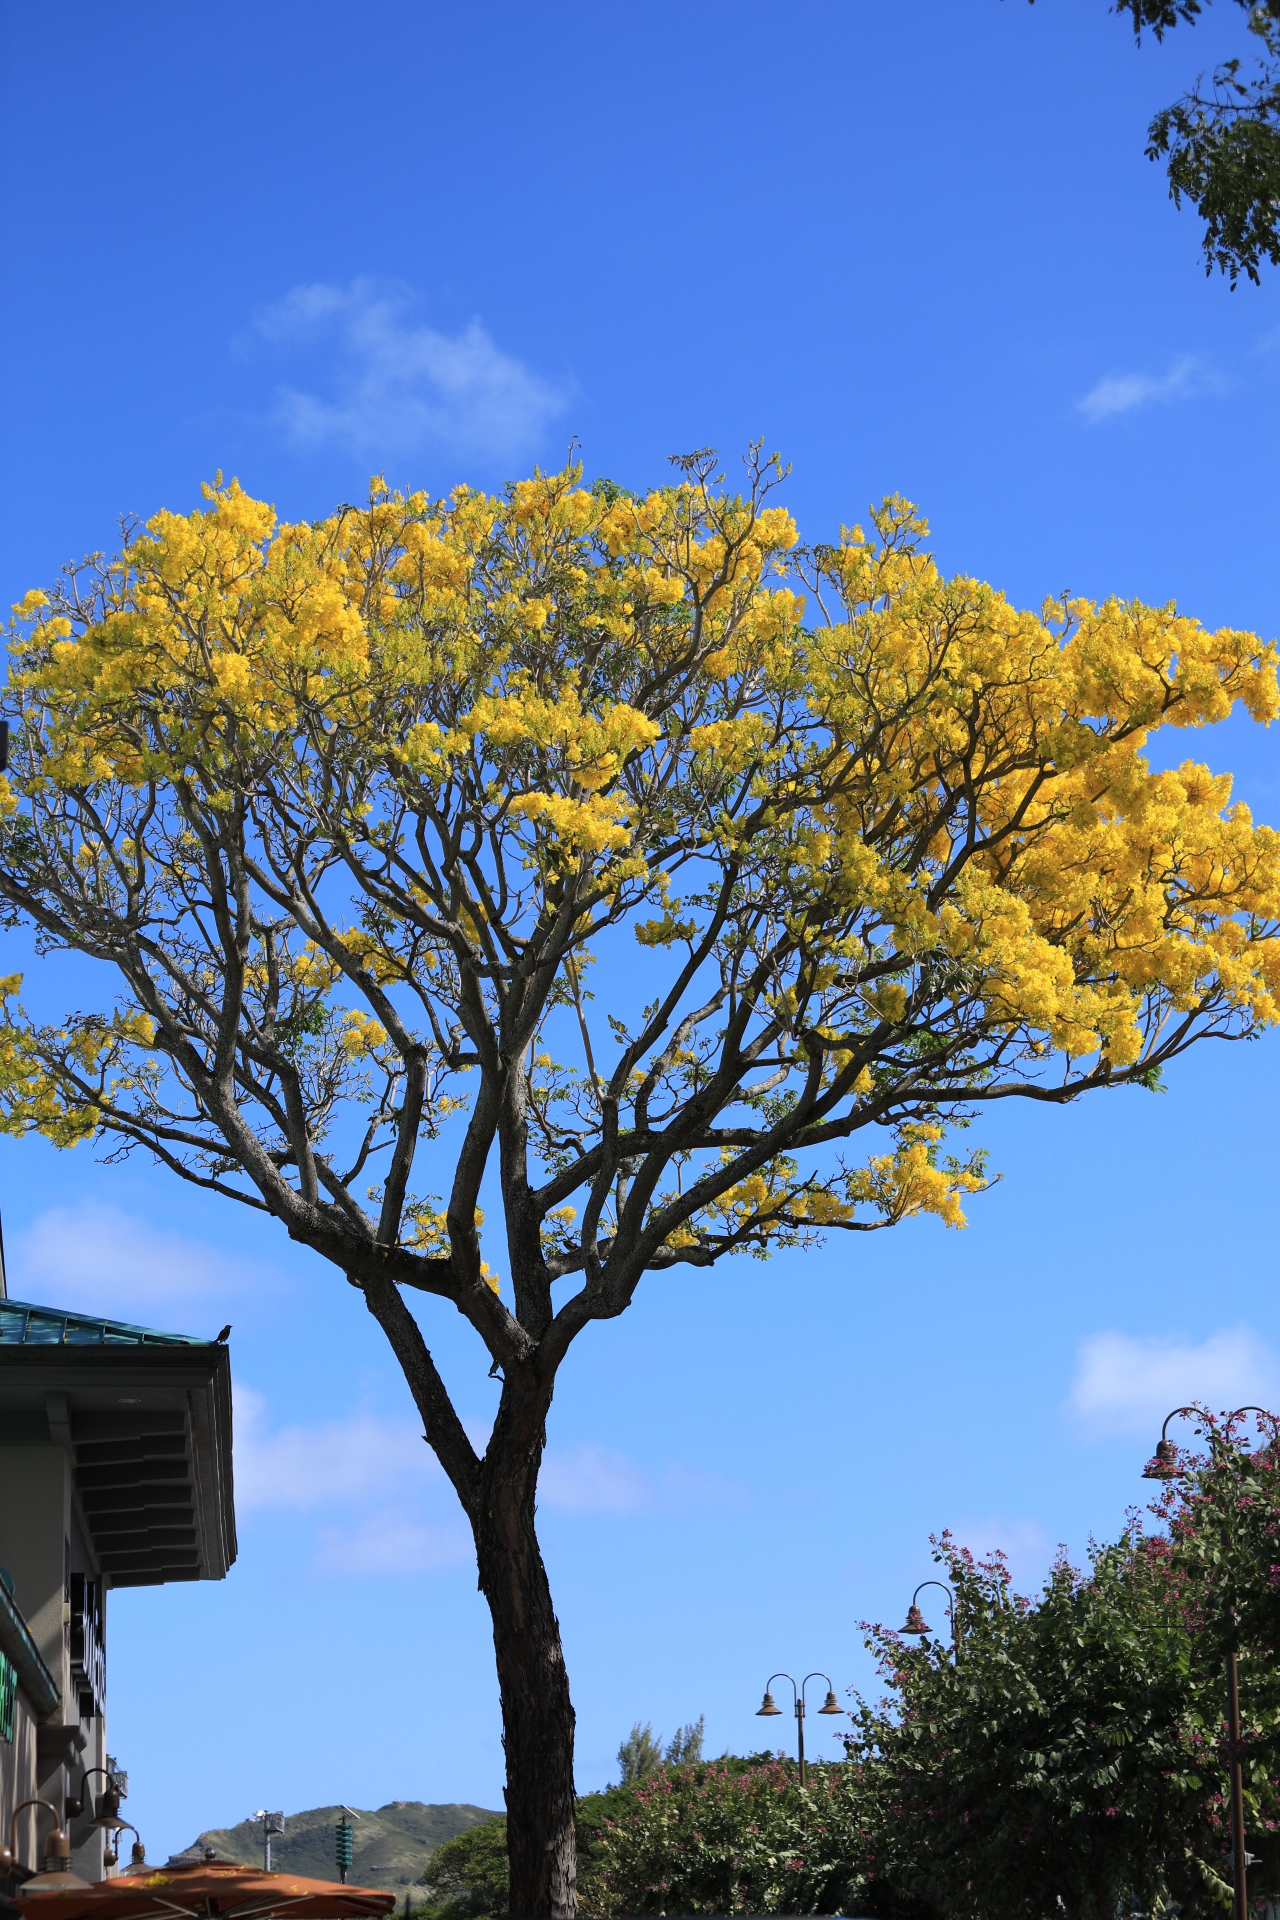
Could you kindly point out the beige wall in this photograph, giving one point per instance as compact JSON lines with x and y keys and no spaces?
{"x":35,"y":1526}
{"x":17,"y":1781}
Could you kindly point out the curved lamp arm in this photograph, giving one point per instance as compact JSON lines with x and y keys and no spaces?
{"x":830,"y":1704}
{"x":915,"y":1622}
{"x":112,"y":1854}
{"x":56,"y":1846}
{"x":76,"y":1802}
{"x":767,"y":1705}
{"x":1264,"y":1411}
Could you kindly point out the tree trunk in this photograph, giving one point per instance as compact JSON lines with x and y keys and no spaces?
{"x":537,"y":1714}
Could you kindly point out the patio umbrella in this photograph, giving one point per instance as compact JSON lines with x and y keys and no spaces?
{"x":203,"y":1890}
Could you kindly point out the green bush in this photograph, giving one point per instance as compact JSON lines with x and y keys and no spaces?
{"x":729,"y":1837}
{"x":736,"y":1835}
{"x":468,"y":1875}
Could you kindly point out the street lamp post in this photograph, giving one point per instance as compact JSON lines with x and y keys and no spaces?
{"x":1164,"y":1466}
{"x":829,"y":1705}
{"x":915,"y":1621}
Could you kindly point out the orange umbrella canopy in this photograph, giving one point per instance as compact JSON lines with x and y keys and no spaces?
{"x":202,"y":1890}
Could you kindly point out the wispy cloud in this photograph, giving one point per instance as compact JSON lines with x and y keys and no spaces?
{"x":591,"y":1479}
{"x":1025,"y":1544}
{"x":398,"y":387}
{"x":409,"y":1520}
{"x":99,"y":1259}
{"x":304,"y":1467}
{"x":1187,"y":379}
{"x":382,"y":1468}
{"x":387,"y":1542}
{"x":1127,"y":1385}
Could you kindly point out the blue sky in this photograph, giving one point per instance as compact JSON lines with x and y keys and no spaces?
{"x":916,"y":248}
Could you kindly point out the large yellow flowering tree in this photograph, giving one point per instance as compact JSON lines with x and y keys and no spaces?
{"x":637,"y":853}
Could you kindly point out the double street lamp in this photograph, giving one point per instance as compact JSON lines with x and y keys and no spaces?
{"x":829,"y":1705}
{"x":1164,"y":1466}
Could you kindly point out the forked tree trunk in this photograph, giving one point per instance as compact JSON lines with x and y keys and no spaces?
{"x":537,"y":1714}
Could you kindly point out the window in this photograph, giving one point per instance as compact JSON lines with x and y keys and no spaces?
{"x":8,"y":1695}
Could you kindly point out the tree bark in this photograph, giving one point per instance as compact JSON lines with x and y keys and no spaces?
{"x":537,"y":1713}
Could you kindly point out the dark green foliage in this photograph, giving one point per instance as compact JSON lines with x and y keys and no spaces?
{"x":685,"y":1748}
{"x":1071,"y":1765}
{"x":1075,"y":1755}
{"x":639,"y":1754}
{"x":734,"y":1835}
{"x":469,"y":1875}
{"x":1222,"y":139}
{"x":1223,"y":149}
{"x":1055,"y":1760}
{"x":731,"y":1837}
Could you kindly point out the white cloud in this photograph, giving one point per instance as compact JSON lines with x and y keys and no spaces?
{"x":1187,"y":379}
{"x":352,"y":1458}
{"x":388,"y":1543}
{"x":590,"y":1479}
{"x":1127,"y":1385}
{"x":381,"y":1468}
{"x":1024,"y":1543}
{"x":98,"y":1259}
{"x":362,"y":1457}
{"x":403,"y":387}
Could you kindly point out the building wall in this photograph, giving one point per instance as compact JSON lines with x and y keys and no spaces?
{"x":17,"y":1779}
{"x":41,"y":1543}
{"x":35,"y":1534}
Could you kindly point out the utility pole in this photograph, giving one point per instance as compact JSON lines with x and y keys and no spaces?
{"x":272,"y":1823}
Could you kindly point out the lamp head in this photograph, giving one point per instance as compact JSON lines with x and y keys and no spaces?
{"x":767,"y":1706}
{"x":1164,"y":1465}
{"x":916,"y":1622}
{"x":138,"y":1858}
{"x":110,"y":1857}
{"x":108,"y":1814}
{"x":830,"y":1704}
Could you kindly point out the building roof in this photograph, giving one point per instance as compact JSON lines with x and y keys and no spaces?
{"x":22,"y":1325}
{"x":146,"y":1420}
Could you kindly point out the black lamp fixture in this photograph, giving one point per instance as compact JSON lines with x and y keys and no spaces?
{"x":769,"y":1707}
{"x":1163,"y":1464}
{"x":107,"y":1815}
{"x":111,"y":1854}
{"x":916,"y":1624}
{"x":56,"y":1876}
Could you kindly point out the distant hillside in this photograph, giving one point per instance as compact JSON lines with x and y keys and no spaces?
{"x":392,"y":1845}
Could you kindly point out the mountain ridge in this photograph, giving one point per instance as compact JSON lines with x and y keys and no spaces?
{"x":391,"y":1845}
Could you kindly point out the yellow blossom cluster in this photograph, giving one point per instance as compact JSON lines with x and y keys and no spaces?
{"x":911,"y":822}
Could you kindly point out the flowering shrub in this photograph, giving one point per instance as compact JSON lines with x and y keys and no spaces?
{"x":734,"y":1835}
{"x":728,"y":1838}
{"x":1075,"y":1754}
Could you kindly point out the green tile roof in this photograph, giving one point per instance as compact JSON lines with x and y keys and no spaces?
{"x":26,"y":1326}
